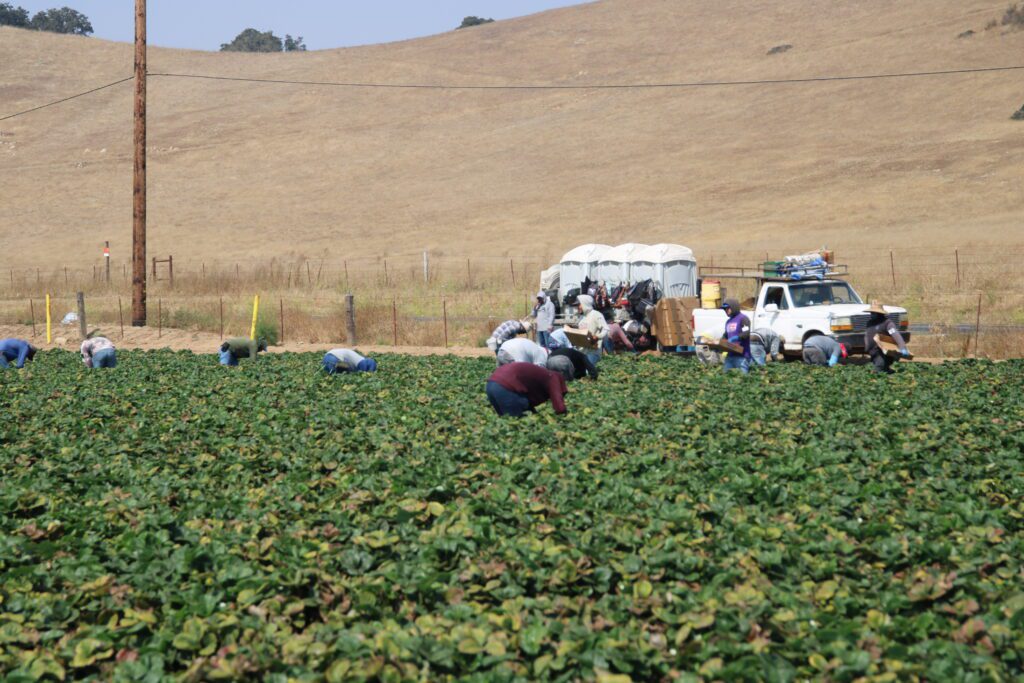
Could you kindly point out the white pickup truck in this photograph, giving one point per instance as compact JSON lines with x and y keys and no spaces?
{"x":797,"y":311}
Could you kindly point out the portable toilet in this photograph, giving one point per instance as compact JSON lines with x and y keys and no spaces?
{"x":615,"y":265}
{"x":577,"y":265}
{"x":672,"y":266}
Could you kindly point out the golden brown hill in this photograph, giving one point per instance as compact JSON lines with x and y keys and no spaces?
{"x":240,"y":170}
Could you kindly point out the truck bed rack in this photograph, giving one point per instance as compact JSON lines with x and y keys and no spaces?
{"x":760,"y":273}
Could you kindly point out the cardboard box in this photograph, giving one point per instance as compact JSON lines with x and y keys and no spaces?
{"x":890,"y":347}
{"x":723,"y":345}
{"x":672,"y":322}
{"x":579,"y":338}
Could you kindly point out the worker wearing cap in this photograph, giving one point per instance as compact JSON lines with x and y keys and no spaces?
{"x":99,"y":352}
{"x":522,"y":350}
{"x":737,"y":331}
{"x":347,"y":360}
{"x":571,"y":364}
{"x":509,"y":329}
{"x":544,"y":318}
{"x":594,"y":325}
{"x":518,"y":388}
{"x":764,"y":346}
{"x":15,"y":351}
{"x":240,"y":347}
{"x":879,"y":322}
{"x":823,"y":351}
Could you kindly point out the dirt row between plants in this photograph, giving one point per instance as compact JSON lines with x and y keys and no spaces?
{"x":149,"y":339}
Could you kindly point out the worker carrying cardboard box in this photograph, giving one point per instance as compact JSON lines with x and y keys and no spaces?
{"x":881,"y":324}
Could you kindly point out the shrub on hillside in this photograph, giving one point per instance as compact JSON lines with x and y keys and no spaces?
{"x":1019,"y":115}
{"x":1014,"y":16}
{"x":779,"y":49}
{"x":474,"y":21}
{"x":63,"y":20}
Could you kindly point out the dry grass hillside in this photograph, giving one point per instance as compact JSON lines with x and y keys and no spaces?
{"x":244,"y":171}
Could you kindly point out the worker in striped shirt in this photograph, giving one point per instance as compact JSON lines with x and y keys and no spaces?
{"x":99,"y":352}
{"x":510,"y":329}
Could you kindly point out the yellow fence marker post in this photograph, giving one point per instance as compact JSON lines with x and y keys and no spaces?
{"x":255,"y":315}
{"x":49,"y":335}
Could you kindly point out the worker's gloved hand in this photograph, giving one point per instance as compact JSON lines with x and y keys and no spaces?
{"x":905,"y":352}
{"x":832,"y":362}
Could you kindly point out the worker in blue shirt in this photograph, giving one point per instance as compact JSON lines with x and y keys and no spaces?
{"x":15,"y":351}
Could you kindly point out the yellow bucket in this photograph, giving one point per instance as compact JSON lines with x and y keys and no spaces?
{"x":711,"y":294}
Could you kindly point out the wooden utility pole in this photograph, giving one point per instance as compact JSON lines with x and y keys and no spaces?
{"x":139,"y":175}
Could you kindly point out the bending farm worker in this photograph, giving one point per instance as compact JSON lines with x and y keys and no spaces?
{"x":594,"y":325}
{"x":510,"y":329}
{"x":518,"y":388}
{"x":571,"y":364}
{"x":737,"y":331}
{"x":15,"y":351}
{"x":764,"y":346}
{"x":347,"y":360}
{"x":544,"y":317}
{"x":823,"y":351}
{"x":879,"y":322}
{"x":99,"y":352}
{"x":236,"y":348}
{"x":521,"y":350}
{"x":559,"y":340}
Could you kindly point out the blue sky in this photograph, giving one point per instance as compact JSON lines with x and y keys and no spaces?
{"x":205,"y":24}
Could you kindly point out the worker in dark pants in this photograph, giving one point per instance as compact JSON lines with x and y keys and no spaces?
{"x":572,"y":364}
{"x":881,"y":323}
{"x":823,"y":351}
{"x":737,"y":331}
{"x":240,"y":347}
{"x":518,"y":388}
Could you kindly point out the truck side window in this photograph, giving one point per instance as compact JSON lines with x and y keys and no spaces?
{"x":777,"y":296}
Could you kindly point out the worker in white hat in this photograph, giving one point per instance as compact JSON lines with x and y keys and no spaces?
{"x":881,"y":323}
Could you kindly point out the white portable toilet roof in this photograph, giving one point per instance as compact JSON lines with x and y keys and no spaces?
{"x":586,"y":253}
{"x":623,"y":253}
{"x":664,"y":253}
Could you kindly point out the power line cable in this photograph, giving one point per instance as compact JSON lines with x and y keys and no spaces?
{"x":66,"y":99}
{"x":598,"y":86}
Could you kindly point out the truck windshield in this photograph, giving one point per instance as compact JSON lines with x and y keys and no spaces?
{"x":823,"y":294}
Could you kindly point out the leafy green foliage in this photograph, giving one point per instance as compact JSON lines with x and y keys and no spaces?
{"x":251,"y":40}
{"x":176,"y":518}
{"x":13,"y":16}
{"x":62,"y":20}
{"x":474,"y":21}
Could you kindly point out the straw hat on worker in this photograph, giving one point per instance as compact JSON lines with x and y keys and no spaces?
{"x":877,"y":307}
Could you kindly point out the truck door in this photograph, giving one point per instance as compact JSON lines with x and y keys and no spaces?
{"x":773,"y":312}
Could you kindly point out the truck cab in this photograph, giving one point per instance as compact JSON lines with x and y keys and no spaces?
{"x":799,"y":310}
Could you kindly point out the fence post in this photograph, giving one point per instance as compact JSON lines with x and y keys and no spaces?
{"x":170,"y":269}
{"x":444,"y":314}
{"x":350,"y":319}
{"x":387,"y":280}
{"x":309,"y":275}
{"x":426,"y":267}
{"x":81,"y":315}
{"x":49,"y":335}
{"x":319,"y":270}
{"x":106,"y":258}
{"x":512,"y":268}
{"x":394,"y":322}
{"x":346,"y":275}
{"x":159,"y":318}
{"x":154,"y":267}
{"x":222,"y":318}
{"x":281,"y":336}
{"x":32,"y":312}
{"x":892,"y":270}
{"x":65,"y":276}
{"x":956,"y":252}
{"x":977,"y":327}
{"x":469,"y":276}
{"x":120,"y":316}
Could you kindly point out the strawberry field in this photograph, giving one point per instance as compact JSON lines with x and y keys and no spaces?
{"x":173,"y":519}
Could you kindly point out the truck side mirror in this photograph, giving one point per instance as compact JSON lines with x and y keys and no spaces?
{"x":771,"y":308}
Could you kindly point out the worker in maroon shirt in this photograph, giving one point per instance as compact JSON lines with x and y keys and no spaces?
{"x":518,"y":388}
